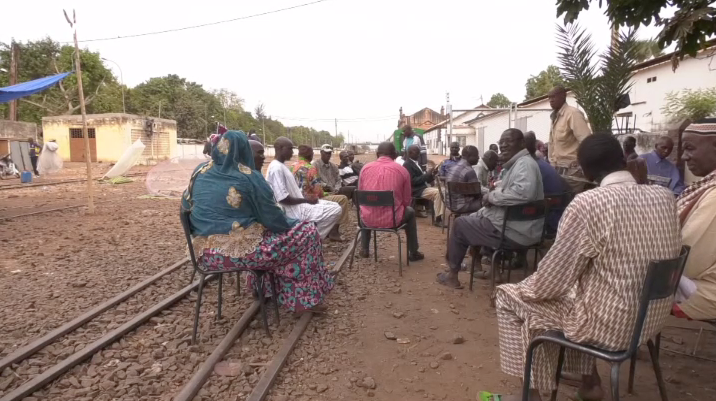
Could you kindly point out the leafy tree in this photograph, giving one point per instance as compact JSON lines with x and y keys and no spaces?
{"x":498,"y":100}
{"x":692,"y":24}
{"x":646,"y":49}
{"x":543,"y":82}
{"x":690,"y":104}
{"x":597,"y":87}
{"x":45,"y":57}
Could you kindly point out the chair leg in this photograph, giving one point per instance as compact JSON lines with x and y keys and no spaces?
{"x":193,"y":274}
{"x":197,"y":308}
{"x":238,"y":283}
{"x":657,"y":344}
{"x":262,"y":300}
{"x":558,"y":375}
{"x":632,"y":369}
{"x":355,"y":247}
{"x":614,"y":380}
{"x":220,"y":296}
{"x":527,"y":376}
{"x":431,"y":205}
{"x":654,"y":352}
{"x":274,"y":294}
{"x":400,"y":255}
{"x":447,"y":236}
{"x":493,"y":271}
{"x":375,"y":245}
{"x":472,"y":270}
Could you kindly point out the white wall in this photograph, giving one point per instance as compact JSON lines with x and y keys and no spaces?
{"x":647,"y":98}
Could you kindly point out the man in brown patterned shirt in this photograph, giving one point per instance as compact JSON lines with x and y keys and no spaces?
{"x":588,"y":284}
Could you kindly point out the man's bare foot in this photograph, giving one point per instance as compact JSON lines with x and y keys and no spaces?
{"x":449,"y":279}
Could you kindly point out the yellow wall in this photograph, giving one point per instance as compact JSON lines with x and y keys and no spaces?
{"x":59,"y":131}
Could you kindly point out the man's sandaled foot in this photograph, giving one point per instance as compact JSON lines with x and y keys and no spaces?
{"x":416,"y":256}
{"x":449,"y":281}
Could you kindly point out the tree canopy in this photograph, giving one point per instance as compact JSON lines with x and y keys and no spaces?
{"x":646,"y":49}
{"x":498,"y":100}
{"x":195,"y":109}
{"x":693,"y":22}
{"x":540,"y":84}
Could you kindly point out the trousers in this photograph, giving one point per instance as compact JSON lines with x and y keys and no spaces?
{"x":470,"y":231}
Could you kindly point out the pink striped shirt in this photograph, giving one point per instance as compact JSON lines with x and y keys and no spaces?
{"x":385,"y":175}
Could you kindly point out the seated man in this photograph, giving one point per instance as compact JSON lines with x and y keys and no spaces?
{"x":629,"y":146}
{"x":661,"y":171}
{"x":323,"y":213}
{"x":585,"y":286}
{"x":312,"y":187}
{"x":349,"y":177}
{"x":520,"y":184}
{"x":463,"y":172}
{"x":258,"y":150}
{"x":484,"y":169}
{"x":385,"y":175}
{"x":357,"y":165}
{"x":447,"y":164}
{"x":420,"y":180}
{"x":697,"y":214}
{"x":552,"y":183}
{"x":329,"y":174}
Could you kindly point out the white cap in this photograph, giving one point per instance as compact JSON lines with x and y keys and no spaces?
{"x":326,"y":148}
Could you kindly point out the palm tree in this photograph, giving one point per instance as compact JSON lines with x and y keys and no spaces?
{"x":597,"y":86}
{"x":646,"y":49}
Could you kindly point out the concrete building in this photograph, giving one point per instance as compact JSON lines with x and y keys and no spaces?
{"x":110,"y":135}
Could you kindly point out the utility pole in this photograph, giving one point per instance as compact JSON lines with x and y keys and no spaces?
{"x":336,"y":128}
{"x":14,"y":55}
{"x":263,"y":129}
{"x":88,"y":155}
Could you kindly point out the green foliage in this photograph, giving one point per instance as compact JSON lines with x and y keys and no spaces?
{"x":498,"y":100}
{"x":597,"y":87}
{"x":646,"y":49}
{"x":195,"y":109}
{"x":694,"y":21}
{"x":690,"y":104}
{"x":540,"y":84}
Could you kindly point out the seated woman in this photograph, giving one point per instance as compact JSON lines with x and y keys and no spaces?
{"x":236,"y":223}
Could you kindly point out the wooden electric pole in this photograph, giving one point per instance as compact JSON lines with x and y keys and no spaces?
{"x":14,"y":56}
{"x":85,"y":135}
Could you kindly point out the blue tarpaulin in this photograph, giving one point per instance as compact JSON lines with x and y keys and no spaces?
{"x":10,"y":93}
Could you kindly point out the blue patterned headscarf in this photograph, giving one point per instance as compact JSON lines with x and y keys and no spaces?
{"x":229,"y":190}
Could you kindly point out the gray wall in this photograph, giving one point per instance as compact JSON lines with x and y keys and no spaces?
{"x":16,"y":129}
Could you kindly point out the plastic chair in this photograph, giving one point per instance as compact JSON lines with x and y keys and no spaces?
{"x":662,"y":280}
{"x":525,"y":212}
{"x":379,"y":199}
{"x":259,"y":275}
{"x":468,"y":189}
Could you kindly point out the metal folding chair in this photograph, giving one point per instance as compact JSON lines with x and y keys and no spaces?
{"x":379,"y":199}
{"x":662,"y":280}
{"x":259,"y":276}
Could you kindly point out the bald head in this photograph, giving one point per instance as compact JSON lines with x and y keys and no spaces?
{"x":455,"y":149}
{"x":471,"y":154}
{"x":490,"y":159}
{"x":531,"y":142}
{"x":386,"y":149}
{"x":284,"y":149}
{"x":557,"y":97}
{"x":258,"y":150}
{"x":664,"y":146}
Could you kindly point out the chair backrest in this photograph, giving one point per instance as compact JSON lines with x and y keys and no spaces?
{"x":662,"y":281}
{"x":557,"y":201}
{"x":526,"y":212}
{"x":374,"y":199}
{"x":440,"y":183}
{"x":462,"y":189}
{"x":184,"y":215}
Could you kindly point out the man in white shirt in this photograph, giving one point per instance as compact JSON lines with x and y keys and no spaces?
{"x":324,"y":214}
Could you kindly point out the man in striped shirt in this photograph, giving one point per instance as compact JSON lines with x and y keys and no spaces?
{"x":386,"y":175}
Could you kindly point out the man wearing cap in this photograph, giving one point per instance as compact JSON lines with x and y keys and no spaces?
{"x":330,"y":180}
{"x":696,"y":206}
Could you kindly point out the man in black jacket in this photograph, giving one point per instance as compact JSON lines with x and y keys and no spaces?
{"x":419,"y":181}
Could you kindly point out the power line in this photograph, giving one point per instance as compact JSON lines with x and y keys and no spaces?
{"x":353,"y":119}
{"x":206,"y":24}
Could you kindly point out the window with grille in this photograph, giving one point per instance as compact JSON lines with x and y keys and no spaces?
{"x":76,"y":133}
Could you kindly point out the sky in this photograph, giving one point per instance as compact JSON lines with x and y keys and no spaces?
{"x":357,"y":61}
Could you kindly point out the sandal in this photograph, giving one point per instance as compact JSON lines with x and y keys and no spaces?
{"x":442,"y":279}
{"x":488,"y":396}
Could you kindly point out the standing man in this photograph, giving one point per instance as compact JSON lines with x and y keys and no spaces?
{"x":447,"y":164}
{"x":323,"y":213}
{"x":463,"y":171}
{"x":420,"y":181}
{"x":484,"y":169}
{"x":629,"y":148}
{"x":660,"y":170}
{"x":34,"y":154}
{"x":386,"y":175}
{"x":410,"y":139}
{"x":569,"y":129}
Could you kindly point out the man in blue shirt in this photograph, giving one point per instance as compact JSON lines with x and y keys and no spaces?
{"x":447,"y":164}
{"x":660,"y":170}
{"x":552,"y":182}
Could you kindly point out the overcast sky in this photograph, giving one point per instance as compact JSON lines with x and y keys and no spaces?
{"x":357,"y":60}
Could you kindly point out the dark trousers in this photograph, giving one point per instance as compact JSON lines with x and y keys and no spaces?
{"x":33,"y":160}
{"x":470,"y":231}
{"x":347,"y":191}
{"x":411,"y":231}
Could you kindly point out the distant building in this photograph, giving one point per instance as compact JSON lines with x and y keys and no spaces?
{"x":110,"y":135}
{"x":423,"y":119}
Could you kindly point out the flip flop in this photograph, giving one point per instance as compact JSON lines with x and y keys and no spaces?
{"x":488,"y":396}
{"x":442,"y":279}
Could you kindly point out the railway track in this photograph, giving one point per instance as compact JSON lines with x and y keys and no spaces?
{"x":52,"y":374}
{"x":52,"y":183}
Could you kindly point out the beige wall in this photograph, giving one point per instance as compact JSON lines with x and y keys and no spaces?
{"x":17,"y":129}
{"x":114,"y":134}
